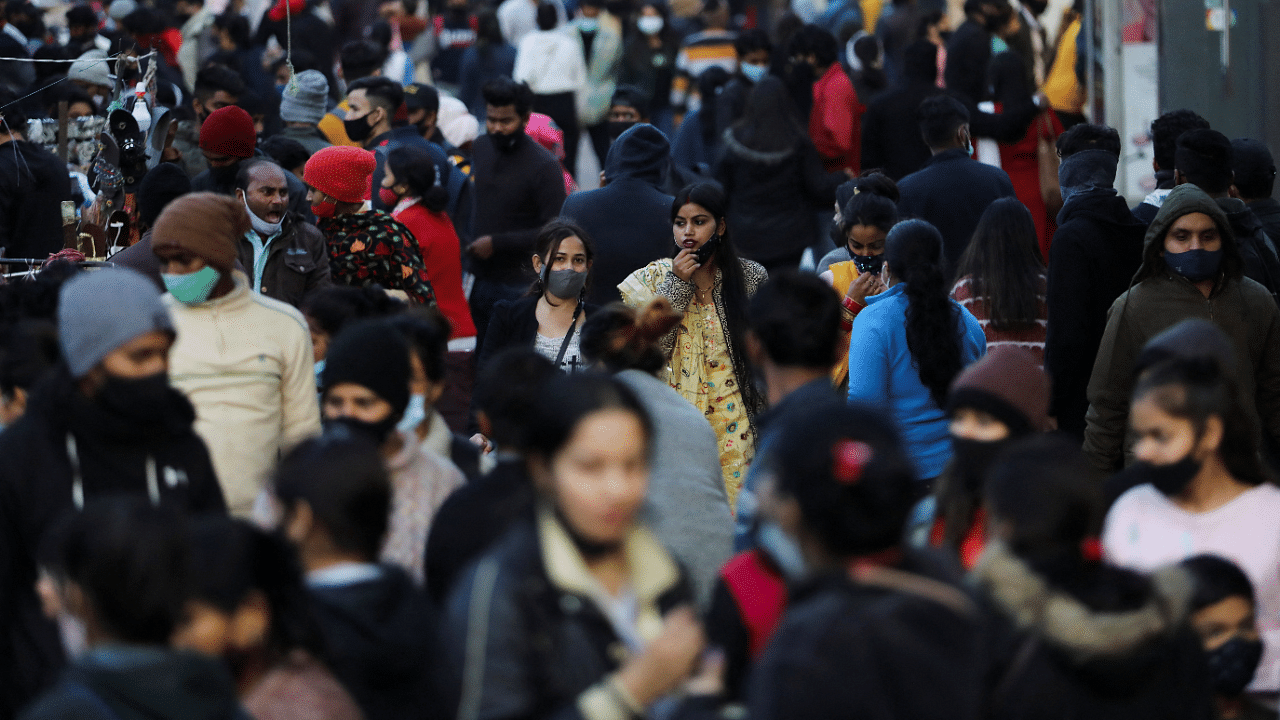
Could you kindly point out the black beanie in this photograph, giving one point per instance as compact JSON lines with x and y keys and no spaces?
{"x":160,"y":186}
{"x":374,"y":355}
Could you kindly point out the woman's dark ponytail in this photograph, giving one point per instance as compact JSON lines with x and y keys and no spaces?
{"x":913,"y":251}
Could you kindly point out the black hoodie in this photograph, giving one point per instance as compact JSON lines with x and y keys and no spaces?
{"x":379,"y":635}
{"x":1256,"y":248}
{"x":36,"y":486}
{"x":1095,"y":253}
{"x":122,"y":682}
{"x":629,"y":219}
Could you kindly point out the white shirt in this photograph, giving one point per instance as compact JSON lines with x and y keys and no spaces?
{"x":551,"y":62}
{"x":1145,"y":530}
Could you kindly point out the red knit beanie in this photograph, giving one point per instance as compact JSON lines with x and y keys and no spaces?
{"x":342,"y":172}
{"x":229,"y":131}
{"x":1008,"y":384}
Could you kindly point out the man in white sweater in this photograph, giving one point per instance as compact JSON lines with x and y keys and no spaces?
{"x":242,"y":359}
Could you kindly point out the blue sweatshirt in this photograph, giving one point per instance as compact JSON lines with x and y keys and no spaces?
{"x":882,"y":373}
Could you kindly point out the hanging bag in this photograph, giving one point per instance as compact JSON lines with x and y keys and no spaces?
{"x":1047,"y":155}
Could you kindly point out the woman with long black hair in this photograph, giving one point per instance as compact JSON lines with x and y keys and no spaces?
{"x":709,"y":285}
{"x":910,"y":342}
{"x":1002,"y":281}
{"x":774,"y":178}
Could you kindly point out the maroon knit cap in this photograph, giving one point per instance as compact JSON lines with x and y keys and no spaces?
{"x":229,"y":131}
{"x":342,"y":172}
{"x":1007,"y":383}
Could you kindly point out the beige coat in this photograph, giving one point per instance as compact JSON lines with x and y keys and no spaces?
{"x":245,"y":362}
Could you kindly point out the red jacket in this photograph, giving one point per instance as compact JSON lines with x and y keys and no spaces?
{"x":442,"y":256}
{"x":835,"y":123}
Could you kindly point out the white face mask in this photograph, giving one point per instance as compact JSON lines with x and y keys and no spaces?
{"x":649,"y":24}
{"x":414,"y":414}
{"x":260,"y":226}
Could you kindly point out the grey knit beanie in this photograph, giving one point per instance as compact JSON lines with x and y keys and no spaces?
{"x":100,"y":310}
{"x":304,"y":96}
{"x":92,"y":67}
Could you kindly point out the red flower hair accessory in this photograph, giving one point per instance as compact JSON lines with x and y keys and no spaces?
{"x":849,"y":458}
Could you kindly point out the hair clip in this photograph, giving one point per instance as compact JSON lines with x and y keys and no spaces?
{"x":1091,"y":549}
{"x":850,"y":457}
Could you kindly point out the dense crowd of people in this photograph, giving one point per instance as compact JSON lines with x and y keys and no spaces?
{"x":333,"y":385}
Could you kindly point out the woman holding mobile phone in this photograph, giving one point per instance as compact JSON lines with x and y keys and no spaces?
{"x":709,"y":284}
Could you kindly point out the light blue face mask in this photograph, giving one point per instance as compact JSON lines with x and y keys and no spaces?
{"x":192,"y":288}
{"x":587,"y":24}
{"x":754,"y":73}
{"x":414,"y":414}
{"x":319,"y":370}
{"x":782,"y":549}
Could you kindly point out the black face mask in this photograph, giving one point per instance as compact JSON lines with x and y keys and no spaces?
{"x":358,"y":129}
{"x":708,"y":249}
{"x":376,"y":433}
{"x":617,"y":127}
{"x":506,"y":142}
{"x":141,"y":401}
{"x":993,"y":23}
{"x":1037,"y":7}
{"x":457,"y":14}
{"x":971,"y":459}
{"x":1232,"y":665}
{"x":1172,"y":479}
{"x":868,"y":263}
{"x":224,"y":176}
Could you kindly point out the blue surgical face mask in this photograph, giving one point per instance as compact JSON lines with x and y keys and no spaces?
{"x":782,"y":549}
{"x":754,"y":73}
{"x":319,"y":371}
{"x":586,"y":24}
{"x":192,"y":288}
{"x":414,"y":414}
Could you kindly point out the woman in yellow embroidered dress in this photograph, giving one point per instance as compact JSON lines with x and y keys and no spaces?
{"x":710,"y":284}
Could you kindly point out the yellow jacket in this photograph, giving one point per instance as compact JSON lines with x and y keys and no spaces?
{"x":1062,"y":87}
{"x":245,"y":362}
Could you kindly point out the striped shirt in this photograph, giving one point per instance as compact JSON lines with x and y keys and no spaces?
{"x":1031,"y":339}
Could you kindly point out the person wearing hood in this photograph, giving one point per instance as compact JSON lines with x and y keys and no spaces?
{"x":365,"y":247}
{"x":377,"y":627}
{"x":227,"y":139}
{"x":244,"y":360}
{"x":1191,"y":267}
{"x":1203,"y":158}
{"x":890,"y":128}
{"x":626,"y":216}
{"x":1224,"y":615}
{"x":1205,"y":489}
{"x":365,"y":388}
{"x":120,"y":568}
{"x":1165,"y":131}
{"x":774,"y":178}
{"x":992,"y":404}
{"x":1095,"y":252}
{"x":285,"y":256}
{"x":1074,"y":636}
{"x":105,"y":422}
{"x":868,"y":624}
{"x":1254,"y":174}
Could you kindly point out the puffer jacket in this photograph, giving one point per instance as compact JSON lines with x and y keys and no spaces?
{"x":524,"y":638}
{"x":1113,"y":644}
{"x":1159,"y":299}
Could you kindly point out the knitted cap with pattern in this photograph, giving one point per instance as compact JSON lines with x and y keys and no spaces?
{"x":1008,"y":384}
{"x":207,"y":225}
{"x":303,"y":100}
{"x":229,"y":131}
{"x":341,"y":172}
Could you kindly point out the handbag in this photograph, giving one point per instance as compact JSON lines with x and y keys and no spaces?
{"x":1047,"y":156}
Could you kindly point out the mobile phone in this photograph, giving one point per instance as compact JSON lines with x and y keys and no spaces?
{"x":707,"y":250}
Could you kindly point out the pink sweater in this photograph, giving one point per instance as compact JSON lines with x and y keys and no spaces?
{"x":1145,"y":530}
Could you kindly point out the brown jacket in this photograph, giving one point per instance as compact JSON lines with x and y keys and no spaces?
{"x":297,"y":262}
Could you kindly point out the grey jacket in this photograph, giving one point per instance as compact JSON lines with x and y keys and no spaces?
{"x":687,"y":508}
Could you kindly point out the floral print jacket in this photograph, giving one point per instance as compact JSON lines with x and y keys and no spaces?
{"x":372,"y":247}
